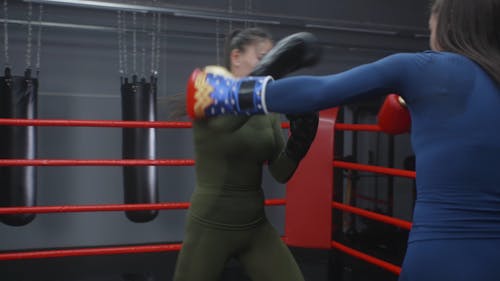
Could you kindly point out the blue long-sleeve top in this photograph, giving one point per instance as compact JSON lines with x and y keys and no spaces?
{"x":455,"y":111}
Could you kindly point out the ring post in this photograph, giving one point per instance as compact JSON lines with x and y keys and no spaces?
{"x":309,"y":193}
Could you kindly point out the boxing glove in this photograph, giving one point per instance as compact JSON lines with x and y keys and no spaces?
{"x":303,"y":129}
{"x":214,"y":91}
{"x":291,"y":53}
{"x":394,"y":117}
{"x":294,"y":52}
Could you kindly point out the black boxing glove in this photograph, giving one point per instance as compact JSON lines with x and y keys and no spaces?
{"x":303,"y":129}
{"x":290,"y":54}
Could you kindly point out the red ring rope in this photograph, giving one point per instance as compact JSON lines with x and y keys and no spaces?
{"x":147,"y":124}
{"x":357,"y":127}
{"x":378,"y":262}
{"x":90,"y":252}
{"x":374,"y":169}
{"x":94,"y":208}
{"x":101,"y":123}
{"x":111,"y":207}
{"x":368,"y":214}
{"x":93,"y":123}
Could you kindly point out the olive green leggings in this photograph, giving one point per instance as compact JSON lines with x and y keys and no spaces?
{"x":260,"y":251}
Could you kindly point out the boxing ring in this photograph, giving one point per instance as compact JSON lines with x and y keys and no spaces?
{"x":309,"y":220}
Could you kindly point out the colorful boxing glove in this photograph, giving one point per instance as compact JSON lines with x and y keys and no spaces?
{"x":214,"y":91}
{"x":394,"y":117}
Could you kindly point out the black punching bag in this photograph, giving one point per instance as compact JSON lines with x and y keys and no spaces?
{"x":140,"y":182}
{"x":18,"y":99}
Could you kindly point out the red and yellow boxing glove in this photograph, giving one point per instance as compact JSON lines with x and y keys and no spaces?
{"x":214,"y":91}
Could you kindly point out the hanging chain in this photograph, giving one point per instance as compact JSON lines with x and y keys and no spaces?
{"x":39,"y":39}
{"x":124,"y":48}
{"x":158,"y":41}
{"x":28,"y":44}
{"x":6,"y":33}
{"x":134,"y":43}
{"x":120,"y":43}
{"x":230,"y":11}
{"x":153,"y":45}
{"x":217,"y":32}
{"x":165,"y":26}
{"x":246,"y":13}
{"x":143,"y":48}
{"x":250,"y":8}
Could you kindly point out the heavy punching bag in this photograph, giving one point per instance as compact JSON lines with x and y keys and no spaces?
{"x":140,"y":182}
{"x":18,"y":99}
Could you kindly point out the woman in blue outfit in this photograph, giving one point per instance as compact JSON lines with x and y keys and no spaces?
{"x":453,"y":95}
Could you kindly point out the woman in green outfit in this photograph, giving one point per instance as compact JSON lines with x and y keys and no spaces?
{"x":227,"y":218}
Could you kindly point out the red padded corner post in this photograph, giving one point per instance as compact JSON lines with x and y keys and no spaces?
{"x":309,"y":193}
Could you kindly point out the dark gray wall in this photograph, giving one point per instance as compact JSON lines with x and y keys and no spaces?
{"x":79,"y":80}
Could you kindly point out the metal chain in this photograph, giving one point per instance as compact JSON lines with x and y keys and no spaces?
{"x":158,"y":54}
{"x":143,"y":48}
{"x":153,"y":44}
{"x":245,"y":11}
{"x":39,"y":38}
{"x":120,"y":43}
{"x":250,"y":10}
{"x":217,"y":47}
{"x":230,"y":11}
{"x":124,"y":50}
{"x":134,"y":43}
{"x":158,"y":41}
{"x":28,"y":44}
{"x":6,"y":32}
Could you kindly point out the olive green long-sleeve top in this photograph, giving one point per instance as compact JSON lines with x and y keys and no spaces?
{"x":230,"y":153}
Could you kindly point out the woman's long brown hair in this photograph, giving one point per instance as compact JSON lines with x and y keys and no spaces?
{"x":470,"y":28}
